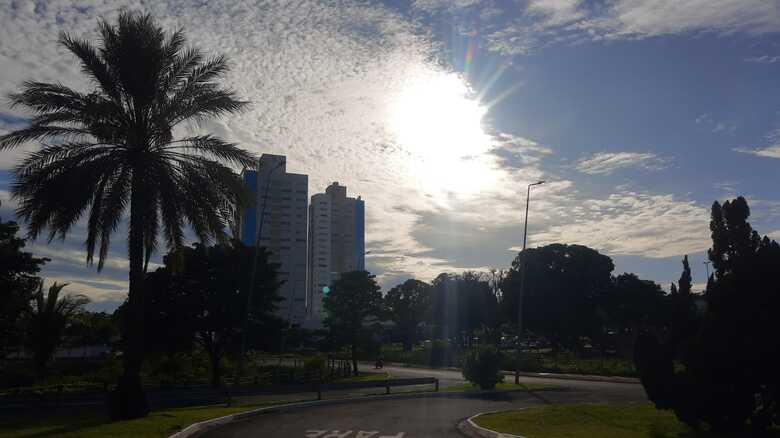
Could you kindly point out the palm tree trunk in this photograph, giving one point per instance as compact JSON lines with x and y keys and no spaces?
{"x":129,"y":400}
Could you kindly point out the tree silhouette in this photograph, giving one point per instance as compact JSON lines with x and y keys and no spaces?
{"x":407,"y":305}
{"x":200,"y":297}
{"x":18,"y":283}
{"x":564,"y":285}
{"x":112,"y":149}
{"x":50,"y":316}
{"x":721,"y":369}
{"x":354,"y":299}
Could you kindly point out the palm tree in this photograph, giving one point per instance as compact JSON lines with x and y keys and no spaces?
{"x":114,"y":148}
{"x":48,"y":319}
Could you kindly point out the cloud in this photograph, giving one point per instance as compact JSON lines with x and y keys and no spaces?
{"x":772,"y":151}
{"x":538,"y":23}
{"x":324,"y":79}
{"x":557,"y":12}
{"x":604,"y":163}
{"x":764,"y":59}
{"x":633,"y":223}
{"x":716,"y":127}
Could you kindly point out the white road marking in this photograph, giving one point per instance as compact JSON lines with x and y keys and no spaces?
{"x":337,"y":434}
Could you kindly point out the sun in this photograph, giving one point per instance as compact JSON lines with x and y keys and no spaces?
{"x":436,"y":119}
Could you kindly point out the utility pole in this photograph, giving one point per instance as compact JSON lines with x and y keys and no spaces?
{"x":522,"y":283}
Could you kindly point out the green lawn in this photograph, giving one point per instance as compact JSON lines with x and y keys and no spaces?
{"x":365,"y":377}
{"x":157,"y":424}
{"x":626,"y":420}
{"x":503,"y":386}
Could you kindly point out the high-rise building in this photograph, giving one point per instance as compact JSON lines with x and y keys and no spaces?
{"x":279,"y":216}
{"x":336,"y":243}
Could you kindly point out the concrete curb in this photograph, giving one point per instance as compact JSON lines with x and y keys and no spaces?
{"x":581,"y":377}
{"x":195,"y":429}
{"x":470,"y":428}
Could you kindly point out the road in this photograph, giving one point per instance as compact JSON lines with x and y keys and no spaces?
{"x":419,"y":417}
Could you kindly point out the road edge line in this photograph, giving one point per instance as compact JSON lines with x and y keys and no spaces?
{"x":470,"y":428}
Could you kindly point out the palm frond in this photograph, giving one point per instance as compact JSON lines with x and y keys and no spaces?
{"x":37,"y":132}
{"x":214,"y":147}
{"x":92,"y":64}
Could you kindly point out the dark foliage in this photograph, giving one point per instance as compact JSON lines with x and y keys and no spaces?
{"x":353,"y":306}
{"x":407,"y":305}
{"x":18,"y":283}
{"x":462,"y":305}
{"x":729,"y":356}
{"x":200,"y":298}
{"x":482,"y":366}
{"x":564,"y":286}
{"x":48,"y":321}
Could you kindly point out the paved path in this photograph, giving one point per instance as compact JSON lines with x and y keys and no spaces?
{"x":418,"y":417}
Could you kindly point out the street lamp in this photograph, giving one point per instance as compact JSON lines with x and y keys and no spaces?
{"x":522,"y":282}
{"x":251,"y":288}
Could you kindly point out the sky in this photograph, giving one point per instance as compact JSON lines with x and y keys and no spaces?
{"x":638,"y":114}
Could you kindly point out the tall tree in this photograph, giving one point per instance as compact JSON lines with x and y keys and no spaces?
{"x":51,"y":314}
{"x":353,"y":302}
{"x":683,"y":309}
{"x":407,"y":305}
{"x":564,"y":285}
{"x":112,"y":150}
{"x":18,"y":283}
{"x":728,"y":375}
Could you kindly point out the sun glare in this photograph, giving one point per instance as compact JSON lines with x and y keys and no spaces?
{"x":440,"y":124}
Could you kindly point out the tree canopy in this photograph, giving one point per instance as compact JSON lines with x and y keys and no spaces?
{"x":563,"y":287}
{"x":407,"y":305}
{"x":353,"y":302}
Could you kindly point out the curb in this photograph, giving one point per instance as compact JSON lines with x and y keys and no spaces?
{"x":469,"y":428}
{"x":195,"y":429}
{"x":581,"y":377}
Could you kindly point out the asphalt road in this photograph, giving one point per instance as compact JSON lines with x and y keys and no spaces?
{"x":419,"y":417}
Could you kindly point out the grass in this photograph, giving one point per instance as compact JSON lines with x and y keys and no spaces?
{"x":626,"y":420}
{"x":503,"y":386}
{"x":364,"y":377}
{"x":158,"y":424}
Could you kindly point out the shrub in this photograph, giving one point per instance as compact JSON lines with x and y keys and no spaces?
{"x":482,"y":367}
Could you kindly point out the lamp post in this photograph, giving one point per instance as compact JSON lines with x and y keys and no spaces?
{"x":251,"y":288}
{"x":522,"y":282}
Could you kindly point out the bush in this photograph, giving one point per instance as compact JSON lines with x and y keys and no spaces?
{"x":483,"y":367}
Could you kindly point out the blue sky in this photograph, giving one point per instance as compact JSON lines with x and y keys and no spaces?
{"x":638,"y":113}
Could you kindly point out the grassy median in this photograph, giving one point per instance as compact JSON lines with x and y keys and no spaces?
{"x":625,"y":420}
{"x":161,"y":423}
